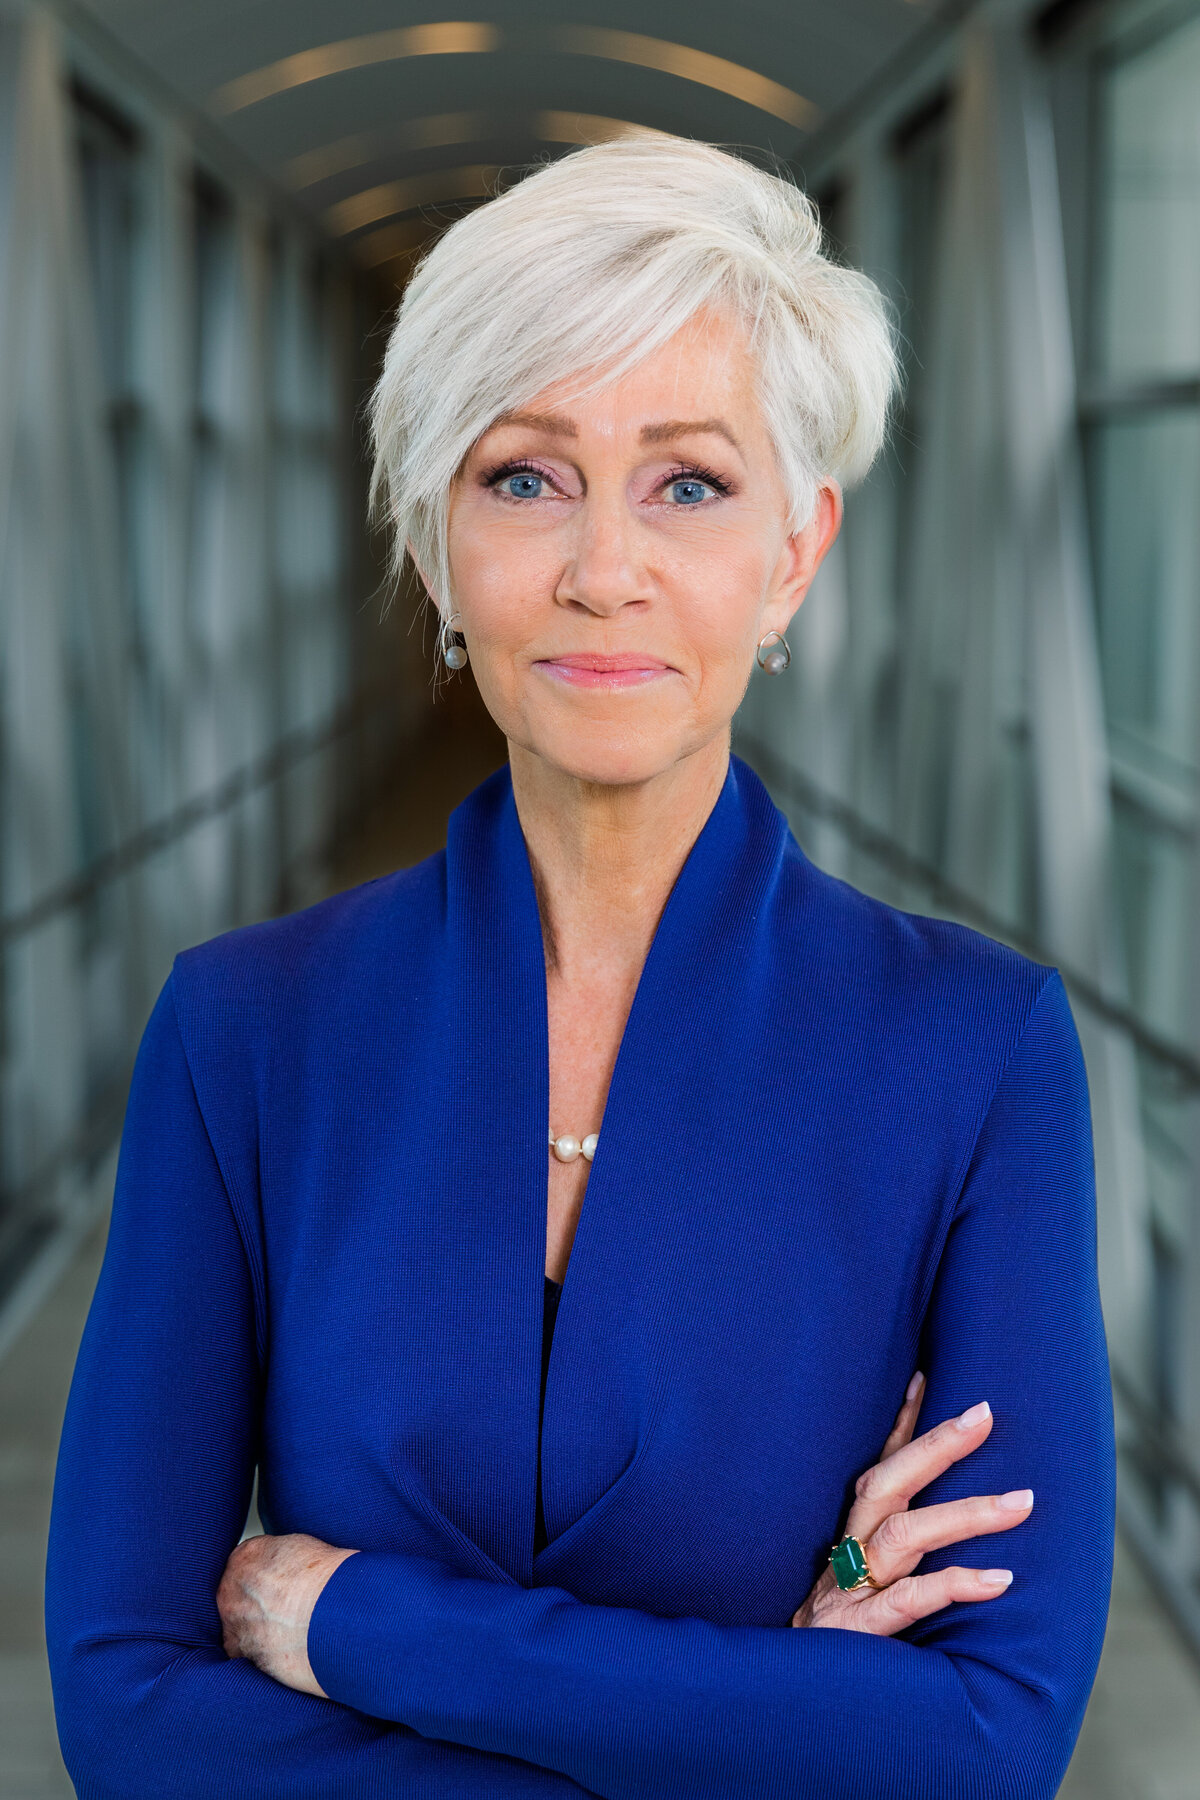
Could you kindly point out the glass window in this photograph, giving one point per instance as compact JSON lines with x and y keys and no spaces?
{"x":1145,"y":483}
{"x":212,"y":473}
{"x":922,"y":161}
{"x":1149,"y":213}
{"x":307,"y":550}
{"x":110,"y":160}
{"x":213,"y":251}
{"x":108,"y":153}
{"x":1154,"y":884}
{"x":1142,"y":442}
{"x":110,"y":172}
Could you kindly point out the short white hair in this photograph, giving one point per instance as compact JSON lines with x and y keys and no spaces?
{"x":590,"y":264}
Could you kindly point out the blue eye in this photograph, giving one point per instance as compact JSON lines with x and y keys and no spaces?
{"x":687,"y":492}
{"x":524,"y":485}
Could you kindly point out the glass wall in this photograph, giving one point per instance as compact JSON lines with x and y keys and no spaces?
{"x":1142,"y":433}
{"x":920,"y":153}
{"x":109,"y":152}
{"x":177,"y":460}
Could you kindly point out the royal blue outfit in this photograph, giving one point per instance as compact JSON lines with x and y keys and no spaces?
{"x":841,"y":1142}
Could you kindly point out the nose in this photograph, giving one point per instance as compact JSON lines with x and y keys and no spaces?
{"x":605,"y":570}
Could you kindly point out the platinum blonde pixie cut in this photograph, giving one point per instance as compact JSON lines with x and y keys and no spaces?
{"x":588,"y":265}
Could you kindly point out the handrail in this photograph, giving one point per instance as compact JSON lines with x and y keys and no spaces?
{"x":1158,"y":1439}
{"x":289,"y":750}
{"x":94,"y":1134}
{"x":892,"y":855}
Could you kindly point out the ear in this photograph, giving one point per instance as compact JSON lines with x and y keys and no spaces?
{"x":410,"y":551}
{"x":802,"y":556}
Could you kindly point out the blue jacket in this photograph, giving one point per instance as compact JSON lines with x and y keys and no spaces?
{"x":842,"y":1142}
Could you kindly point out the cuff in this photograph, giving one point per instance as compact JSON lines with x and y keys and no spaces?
{"x":365,"y":1627}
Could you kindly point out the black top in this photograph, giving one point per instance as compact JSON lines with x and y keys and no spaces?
{"x":553,"y":1291}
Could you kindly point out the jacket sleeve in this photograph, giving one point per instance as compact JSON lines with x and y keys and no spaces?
{"x":153,"y":1484}
{"x":982,"y":1700}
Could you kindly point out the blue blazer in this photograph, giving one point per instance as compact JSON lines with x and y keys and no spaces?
{"x":842,"y":1142}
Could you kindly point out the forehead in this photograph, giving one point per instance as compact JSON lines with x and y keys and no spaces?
{"x":705,"y":371}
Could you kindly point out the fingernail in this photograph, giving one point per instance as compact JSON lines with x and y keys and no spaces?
{"x":1019,"y":1500}
{"x":999,"y":1578}
{"x":974,"y":1415}
{"x":914,"y":1387}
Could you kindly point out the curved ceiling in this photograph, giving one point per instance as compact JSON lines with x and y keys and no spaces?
{"x":374,"y":113}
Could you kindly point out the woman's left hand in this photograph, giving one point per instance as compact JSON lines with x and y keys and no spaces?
{"x":897,"y":1536}
{"x":266,"y":1598}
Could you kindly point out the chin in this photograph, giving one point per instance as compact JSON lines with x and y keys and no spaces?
{"x":615,"y":758}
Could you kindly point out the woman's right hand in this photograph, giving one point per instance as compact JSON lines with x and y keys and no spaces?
{"x":895,"y":1538}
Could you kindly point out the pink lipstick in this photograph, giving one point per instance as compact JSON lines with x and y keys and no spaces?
{"x":591,"y":669}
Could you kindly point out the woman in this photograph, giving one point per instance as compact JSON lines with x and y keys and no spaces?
{"x":800,"y":1145}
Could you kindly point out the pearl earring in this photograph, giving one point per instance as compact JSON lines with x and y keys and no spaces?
{"x":453,"y":655}
{"x":776,"y":659}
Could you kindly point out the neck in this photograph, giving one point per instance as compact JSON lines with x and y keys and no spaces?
{"x":606,"y":856}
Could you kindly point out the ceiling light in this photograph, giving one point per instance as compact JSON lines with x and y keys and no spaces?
{"x":391,"y":197}
{"x":465,"y":38}
{"x":354,"y":53}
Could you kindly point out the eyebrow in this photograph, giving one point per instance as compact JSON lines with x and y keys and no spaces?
{"x":554,"y":423}
{"x":665,"y":433}
{"x":670,"y":429}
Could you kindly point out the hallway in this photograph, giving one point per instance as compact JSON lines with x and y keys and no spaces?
{"x":208,"y":715}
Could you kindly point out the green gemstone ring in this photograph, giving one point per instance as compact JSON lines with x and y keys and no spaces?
{"x":848,"y":1560}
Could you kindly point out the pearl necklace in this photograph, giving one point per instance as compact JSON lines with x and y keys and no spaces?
{"x":568,"y":1148}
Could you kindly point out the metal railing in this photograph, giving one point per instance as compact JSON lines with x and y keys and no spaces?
{"x":891,"y":855}
{"x":33,"y":1237}
{"x":294,"y":747}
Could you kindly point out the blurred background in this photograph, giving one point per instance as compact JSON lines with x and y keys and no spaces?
{"x":208,"y":715}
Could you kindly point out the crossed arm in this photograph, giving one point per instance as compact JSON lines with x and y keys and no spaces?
{"x":271,"y":1585}
{"x":446,"y":1685}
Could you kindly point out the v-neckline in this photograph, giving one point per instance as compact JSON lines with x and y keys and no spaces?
{"x":501,"y":1059}
{"x":723,"y":805}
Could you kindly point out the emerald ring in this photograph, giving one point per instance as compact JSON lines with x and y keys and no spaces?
{"x":851,"y":1570}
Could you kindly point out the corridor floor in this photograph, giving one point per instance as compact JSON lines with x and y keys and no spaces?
{"x":1141,"y":1738}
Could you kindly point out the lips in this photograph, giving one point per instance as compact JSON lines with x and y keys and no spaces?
{"x":592,"y":669}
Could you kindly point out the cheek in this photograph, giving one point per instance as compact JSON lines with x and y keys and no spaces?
{"x":719,"y":587}
{"x":498,"y":571}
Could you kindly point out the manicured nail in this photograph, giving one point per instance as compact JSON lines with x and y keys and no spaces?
{"x":974,"y":1415}
{"x":1019,"y":1500}
{"x":914,"y":1387}
{"x":998,"y":1578}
